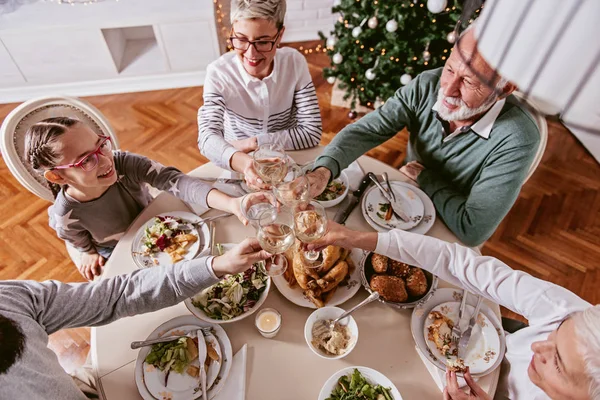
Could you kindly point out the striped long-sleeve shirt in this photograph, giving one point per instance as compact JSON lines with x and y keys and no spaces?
{"x":281,"y":108}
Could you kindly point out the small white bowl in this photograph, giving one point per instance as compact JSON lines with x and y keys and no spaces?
{"x":330,"y":203}
{"x":330,"y":313}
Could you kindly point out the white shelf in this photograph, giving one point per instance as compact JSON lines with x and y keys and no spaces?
{"x":135,"y":50}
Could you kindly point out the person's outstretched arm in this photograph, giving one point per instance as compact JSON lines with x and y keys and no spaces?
{"x":56,"y":305}
{"x":535,"y":299}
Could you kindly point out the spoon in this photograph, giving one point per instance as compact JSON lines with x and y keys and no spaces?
{"x":374,"y":296}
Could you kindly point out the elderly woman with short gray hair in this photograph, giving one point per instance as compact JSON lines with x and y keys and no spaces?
{"x":257,"y":94}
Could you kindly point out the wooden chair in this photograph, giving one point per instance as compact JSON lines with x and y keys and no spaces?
{"x":15,"y":125}
{"x":12,"y":142}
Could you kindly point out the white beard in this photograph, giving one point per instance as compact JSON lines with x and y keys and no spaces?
{"x":463,"y":112}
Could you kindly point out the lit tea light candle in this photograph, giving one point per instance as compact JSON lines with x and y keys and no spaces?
{"x":268,"y":322}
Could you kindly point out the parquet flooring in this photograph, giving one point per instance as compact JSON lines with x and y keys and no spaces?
{"x":553,"y":230}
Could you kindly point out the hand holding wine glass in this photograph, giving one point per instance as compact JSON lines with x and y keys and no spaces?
{"x":253,"y":205}
{"x":276,"y":236}
{"x":270,"y":163}
{"x":310,"y":224}
{"x":293,"y":188}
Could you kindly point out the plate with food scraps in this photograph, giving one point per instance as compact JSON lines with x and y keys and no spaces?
{"x":486,"y":347}
{"x":168,"y":383}
{"x":424,"y":224}
{"x":341,"y":282}
{"x":380,"y":211}
{"x":233,"y":298}
{"x":169,"y":238}
{"x":359,"y":380}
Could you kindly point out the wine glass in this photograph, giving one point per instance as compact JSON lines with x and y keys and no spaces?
{"x":254,"y":205}
{"x":310,"y":224}
{"x":270,"y":163}
{"x":276,"y":236}
{"x":293,"y":188}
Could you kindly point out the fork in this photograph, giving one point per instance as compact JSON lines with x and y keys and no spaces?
{"x":456,"y":330}
{"x":205,"y":331}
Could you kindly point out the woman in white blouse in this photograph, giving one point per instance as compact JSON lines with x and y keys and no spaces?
{"x":257,"y":94}
{"x":557,"y":356}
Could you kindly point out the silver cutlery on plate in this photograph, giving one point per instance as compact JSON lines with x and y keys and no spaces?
{"x":149,"y":342}
{"x":398,"y":212}
{"x":456,"y":329}
{"x":387,"y":183}
{"x":466,"y":335}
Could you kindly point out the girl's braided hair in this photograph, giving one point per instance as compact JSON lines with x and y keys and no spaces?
{"x":40,"y":144}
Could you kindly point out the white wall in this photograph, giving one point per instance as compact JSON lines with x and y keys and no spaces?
{"x":305,"y":18}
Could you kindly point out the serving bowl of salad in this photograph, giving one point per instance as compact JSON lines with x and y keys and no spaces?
{"x":335,"y":192}
{"x":235,"y":297}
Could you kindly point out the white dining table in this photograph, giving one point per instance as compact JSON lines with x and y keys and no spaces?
{"x":283,"y":368}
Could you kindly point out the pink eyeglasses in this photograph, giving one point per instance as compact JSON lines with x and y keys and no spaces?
{"x":90,"y":161}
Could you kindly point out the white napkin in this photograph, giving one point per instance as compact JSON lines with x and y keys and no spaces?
{"x":355,"y":173}
{"x":235,"y":386}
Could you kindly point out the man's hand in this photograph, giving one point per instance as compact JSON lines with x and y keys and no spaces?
{"x":453,"y":392}
{"x":240,"y":258}
{"x":339,"y":235}
{"x":91,"y":265}
{"x":412,"y":170}
{"x":246,"y":145}
{"x":318,"y":180}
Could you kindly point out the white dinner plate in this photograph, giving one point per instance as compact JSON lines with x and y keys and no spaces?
{"x":483,"y":346}
{"x":162,"y":258}
{"x":191,"y":323}
{"x":202,"y":315}
{"x":179,"y":386}
{"x":341,"y":295}
{"x":372,"y":376}
{"x":422,"y":227}
{"x":445,"y":295}
{"x":406,"y":198}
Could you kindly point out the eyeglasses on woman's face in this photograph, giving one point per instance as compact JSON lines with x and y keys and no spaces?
{"x":90,"y":160}
{"x":262,"y":45}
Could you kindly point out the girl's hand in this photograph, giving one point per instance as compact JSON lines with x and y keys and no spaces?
{"x":240,"y":258}
{"x":253,"y":180}
{"x":91,"y":265}
{"x":235,"y":207}
{"x":453,"y":392}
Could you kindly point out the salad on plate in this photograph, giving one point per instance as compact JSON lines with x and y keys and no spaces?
{"x":334,"y":190}
{"x":234,"y":295}
{"x":356,"y":387}
{"x":170,"y":235}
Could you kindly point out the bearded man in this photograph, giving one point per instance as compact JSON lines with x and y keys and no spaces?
{"x":470,"y":146}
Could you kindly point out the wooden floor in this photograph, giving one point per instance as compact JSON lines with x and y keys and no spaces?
{"x":552,"y":232}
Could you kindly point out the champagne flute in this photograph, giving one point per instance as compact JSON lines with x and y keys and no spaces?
{"x":270,"y":163}
{"x":310,"y":224}
{"x":294,"y":188}
{"x":254,"y":205}
{"x":276,"y":236}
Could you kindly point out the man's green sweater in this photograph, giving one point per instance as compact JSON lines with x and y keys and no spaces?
{"x":472,"y":180}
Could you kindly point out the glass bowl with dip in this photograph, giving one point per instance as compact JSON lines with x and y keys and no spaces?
{"x":268,"y":322}
{"x":325,"y":342}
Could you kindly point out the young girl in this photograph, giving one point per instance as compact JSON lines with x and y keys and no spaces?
{"x":99,"y":192}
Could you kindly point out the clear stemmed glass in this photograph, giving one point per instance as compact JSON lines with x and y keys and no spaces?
{"x":276,"y":236}
{"x":310,"y":224}
{"x":254,"y":205}
{"x":294,"y":188}
{"x":270,"y":163}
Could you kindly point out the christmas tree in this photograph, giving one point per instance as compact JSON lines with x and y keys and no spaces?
{"x":377,"y":46}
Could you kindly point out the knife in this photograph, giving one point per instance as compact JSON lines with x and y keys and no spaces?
{"x":351,"y":201}
{"x":202,"y":376}
{"x":395,"y":207}
{"x":466,"y":335}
